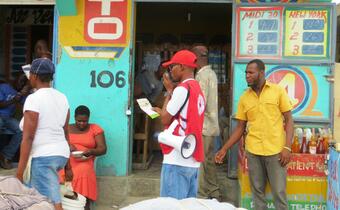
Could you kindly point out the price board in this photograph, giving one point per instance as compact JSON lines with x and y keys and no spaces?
{"x":259,"y":32}
{"x":284,"y":32}
{"x":306,"y":32}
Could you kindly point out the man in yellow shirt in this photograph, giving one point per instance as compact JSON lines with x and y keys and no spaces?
{"x":268,"y":139}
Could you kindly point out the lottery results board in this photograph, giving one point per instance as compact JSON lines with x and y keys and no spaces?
{"x":306,"y":32}
{"x":283,"y":32}
{"x":259,"y":32}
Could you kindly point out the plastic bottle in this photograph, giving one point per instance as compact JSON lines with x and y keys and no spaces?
{"x":312,"y":144}
{"x":303,"y":148}
{"x":299,"y":133}
{"x":321,"y":145}
{"x":325,"y":140}
{"x":328,"y":139}
{"x":296,"y":144}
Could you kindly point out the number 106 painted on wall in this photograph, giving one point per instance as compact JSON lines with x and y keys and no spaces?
{"x":106,"y":79}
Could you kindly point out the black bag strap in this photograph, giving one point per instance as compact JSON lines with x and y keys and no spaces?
{"x":186,"y":100}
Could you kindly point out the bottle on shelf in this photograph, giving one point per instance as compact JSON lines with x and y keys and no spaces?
{"x":320,"y":149}
{"x":325,"y":139}
{"x":299,"y":132}
{"x":330,"y":141}
{"x":303,"y":148}
{"x":321,"y":145}
{"x":296,"y":144}
{"x":312,"y":144}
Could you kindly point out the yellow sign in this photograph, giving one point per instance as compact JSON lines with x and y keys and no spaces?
{"x":295,"y":185}
{"x":90,"y":24}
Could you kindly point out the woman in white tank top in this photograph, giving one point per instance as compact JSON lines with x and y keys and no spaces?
{"x":45,"y":134}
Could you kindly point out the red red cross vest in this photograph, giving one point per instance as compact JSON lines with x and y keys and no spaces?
{"x":193,"y":120}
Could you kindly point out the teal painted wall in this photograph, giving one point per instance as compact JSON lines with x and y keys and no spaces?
{"x":66,"y":7}
{"x":93,"y":68}
{"x":107,"y":105}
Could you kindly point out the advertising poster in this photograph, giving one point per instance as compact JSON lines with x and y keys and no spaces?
{"x":306,"y":86}
{"x":305,"y":32}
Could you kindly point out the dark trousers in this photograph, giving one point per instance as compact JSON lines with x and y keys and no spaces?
{"x":208,"y":183}
{"x":261,"y":169}
{"x":12,"y":126}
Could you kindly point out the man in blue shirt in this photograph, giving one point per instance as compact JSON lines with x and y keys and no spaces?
{"x":8,"y":124}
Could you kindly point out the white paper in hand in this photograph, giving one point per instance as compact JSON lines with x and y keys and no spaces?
{"x":145,"y":105}
{"x":26,"y":69}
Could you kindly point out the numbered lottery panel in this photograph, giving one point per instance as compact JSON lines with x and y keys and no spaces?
{"x":307,"y":33}
{"x":259,"y":32}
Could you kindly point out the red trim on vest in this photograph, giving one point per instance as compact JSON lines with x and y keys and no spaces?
{"x":194,"y":120}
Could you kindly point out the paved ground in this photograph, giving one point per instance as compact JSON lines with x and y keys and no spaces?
{"x":118,"y":192}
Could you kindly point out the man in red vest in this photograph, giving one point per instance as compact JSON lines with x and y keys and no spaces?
{"x":185,"y":104}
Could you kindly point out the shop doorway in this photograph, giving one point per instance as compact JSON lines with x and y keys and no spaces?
{"x":22,"y":26}
{"x":161,"y":29}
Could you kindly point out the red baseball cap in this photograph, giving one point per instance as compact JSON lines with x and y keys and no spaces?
{"x":184,"y":57}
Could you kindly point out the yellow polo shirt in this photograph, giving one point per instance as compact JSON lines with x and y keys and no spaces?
{"x":263,"y":113}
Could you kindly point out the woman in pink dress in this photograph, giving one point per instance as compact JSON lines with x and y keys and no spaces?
{"x":88,"y":138}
